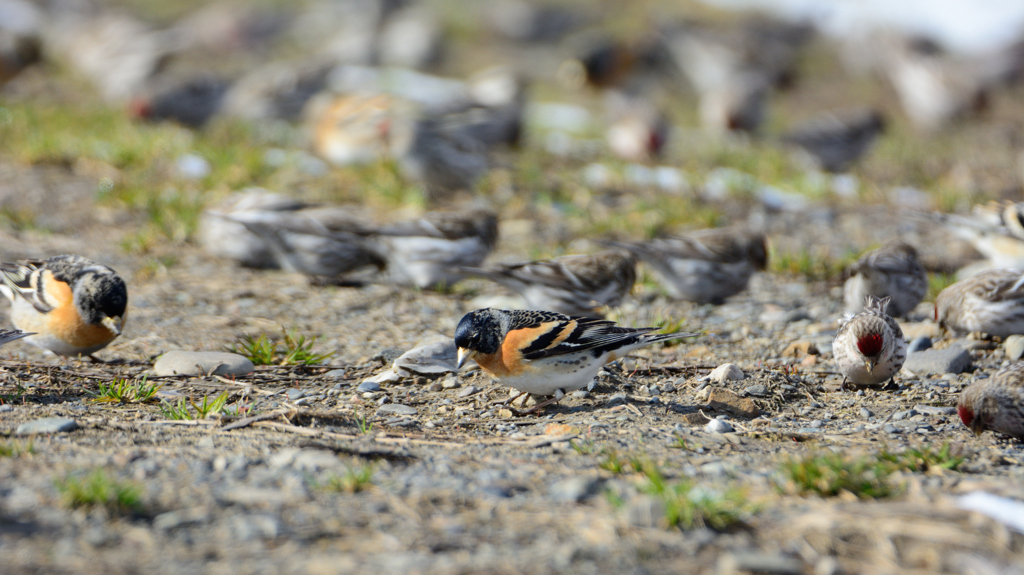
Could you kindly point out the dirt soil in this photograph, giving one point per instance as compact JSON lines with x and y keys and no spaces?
{"x":462,"y":484}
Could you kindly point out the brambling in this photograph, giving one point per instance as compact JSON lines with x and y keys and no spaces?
{"x":836,"y":142}
{"x":891,"y":271}
{"x":991,"y":302}
{"x":543,"y":352}
{"x":352,"y":128}
{"x":705,"y":266}
{"x":429,"y":251}
{"x":573,"y":285}
{"x":74,"y":306}
{"x":12,"y":335}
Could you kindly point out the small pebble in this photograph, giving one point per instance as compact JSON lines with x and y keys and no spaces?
{"x":469,"y":391}
{"x":47,"y":425}
{"x":899,"y":415}
{"x":1014,"y":347}
{"x":817,"y":423}
{"x":938,"y":361}
{"x":866,"y":413}
{"x":450,"y":382}
{"x":368,"y":386}
{"x":757,"y":390}
{"x":919,"y":344}
{"x":934,"y":409}
{"x":396,"y":408}
{"x":718,"y":426}
{"x":581,"y":394}
{"x":726,"y":372}
{"x":294,"y":394}
{"x":6,"y":407}
{"x":434,"y":387}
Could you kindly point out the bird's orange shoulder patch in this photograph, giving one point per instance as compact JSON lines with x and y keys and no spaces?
{"x":508,"y":361}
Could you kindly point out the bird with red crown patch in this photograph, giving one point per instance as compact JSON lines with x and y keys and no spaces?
{"x":869,"y":347}
{"x":995,"y":403}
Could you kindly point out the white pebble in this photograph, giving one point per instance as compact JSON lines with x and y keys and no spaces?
{"x":726,"y":372}
{"x":718,"y":426}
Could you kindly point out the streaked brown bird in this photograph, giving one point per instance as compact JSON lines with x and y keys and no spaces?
{"x":892,"y":271}
{"x":705,"y":266}
{"x":573,"y":285}
{"x":995,"y":403}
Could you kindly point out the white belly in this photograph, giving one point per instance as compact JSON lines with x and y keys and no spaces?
{"x":567,"y":373}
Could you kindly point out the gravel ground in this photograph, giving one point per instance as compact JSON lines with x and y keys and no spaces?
{"x":461,"y":483}
{"x":438,"y":475}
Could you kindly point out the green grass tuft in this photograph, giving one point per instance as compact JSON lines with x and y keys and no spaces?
{"x":938,"y":282}
{"x":124,"y":391}
{"x":364,"y":425}
{"x":353,"y":480}
{"x":16,"y":448}
{"x":180,"y":410}
{"x":292,"y":350}
{"x":922,"y":459}
{"x":98,"y":490}
{"x":177,"y":411}
{"x":829,"y":474}
{"x":689,"y":506}
{"x":612,"y":462}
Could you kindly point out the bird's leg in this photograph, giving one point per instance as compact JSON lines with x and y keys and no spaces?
{"x":846,"y":385}
{"x":559,"y":394}
{"x":512,"y":398}
{"x":891,"y":386}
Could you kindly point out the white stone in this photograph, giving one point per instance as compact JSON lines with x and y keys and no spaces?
{"x":726,"y":372}
{"x":718,"y":426}
{"x":202,"y":363}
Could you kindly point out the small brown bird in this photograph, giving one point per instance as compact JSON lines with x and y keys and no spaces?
{"x":991,"y":302}
{"x":74,"y":306}
{"x":20,"y":46}
{"x":705,"y":266}
{"x":428,"y":252}
{"x":891,"y":271}
{"x":260,"y":229}
{"x":995,"y":403}
{"x":192,"y":102}
{"x":837,"y":141}
{"x":996,"y":230}
{"x":277,"y":91}
{"x":935,"y":87}
{"x":573,"y":285}
{"x":869,"y":347}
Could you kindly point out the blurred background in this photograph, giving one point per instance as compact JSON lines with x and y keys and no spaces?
{"x":572,"y":119}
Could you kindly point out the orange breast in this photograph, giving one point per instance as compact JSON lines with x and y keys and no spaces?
{"x":508,"y":361}
{"x":65,"y":322}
